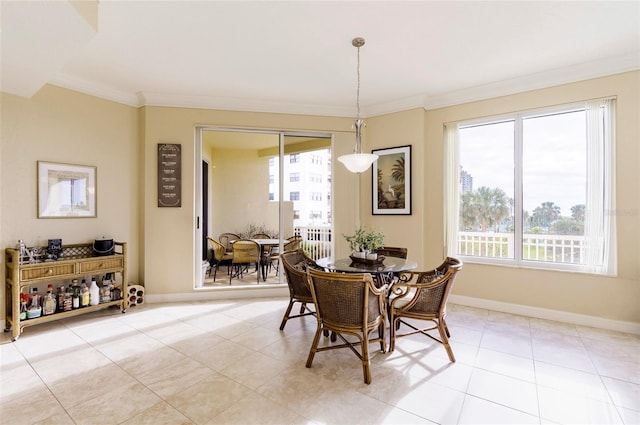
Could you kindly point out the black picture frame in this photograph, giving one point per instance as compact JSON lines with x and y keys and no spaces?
{"x":391,"y":181}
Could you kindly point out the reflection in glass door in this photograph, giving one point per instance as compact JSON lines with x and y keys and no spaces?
{"x":249,"y":195}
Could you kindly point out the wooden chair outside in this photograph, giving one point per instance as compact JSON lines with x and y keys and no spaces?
{"x":273,"y":256}
{"x":423,"y":296}
{"x":295,"y":264}
{"x":348,"y":304}
{"x":245,"y":253}
{"x":226,"y":238}
{"x":219,"y":257}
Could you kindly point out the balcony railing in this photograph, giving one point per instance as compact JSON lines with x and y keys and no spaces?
{"x":553,"y":248}
{"x":316,"y":240}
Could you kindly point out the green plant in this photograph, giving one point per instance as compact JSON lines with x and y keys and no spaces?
{"x":365,"y":240}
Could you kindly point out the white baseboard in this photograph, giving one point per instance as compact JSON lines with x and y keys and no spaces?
{"x":220,"y":294}
{"x":548,"y":314}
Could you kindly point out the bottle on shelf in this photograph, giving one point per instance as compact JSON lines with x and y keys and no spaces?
{"x":35,"y":306}
{"x":75,"y":297}
{"x":49,"y":303}
{"x":68,"y":299}
{"x":24,"y":300}
{"x":105,"y":290}
{"x":94,"y":292}
{"x":85,"y":296}
{"x":60,"y":297}
{"x":116,"y":293}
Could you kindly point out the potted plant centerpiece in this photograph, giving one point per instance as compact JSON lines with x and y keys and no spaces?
{"x":363,"y":243}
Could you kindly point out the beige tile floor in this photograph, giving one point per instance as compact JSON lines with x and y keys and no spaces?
{"x":226,"y":362}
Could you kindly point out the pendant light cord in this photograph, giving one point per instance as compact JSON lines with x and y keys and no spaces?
{"x":358,"y":86}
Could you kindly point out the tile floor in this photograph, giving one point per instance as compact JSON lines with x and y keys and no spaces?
{"x":226,"y":362}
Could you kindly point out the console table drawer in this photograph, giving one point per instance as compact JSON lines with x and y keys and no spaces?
{"x":50,"y":270}
{"x":108,"y":262}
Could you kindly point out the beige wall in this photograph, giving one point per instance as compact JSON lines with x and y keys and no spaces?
{"x":614,"y":298}
{"x":170,"y":232}
{"x":64,"y":126}
{"x":59,"y":125}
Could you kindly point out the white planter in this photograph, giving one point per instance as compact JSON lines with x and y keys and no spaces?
{"x":359,"y":254}
{"x":372,"y":256}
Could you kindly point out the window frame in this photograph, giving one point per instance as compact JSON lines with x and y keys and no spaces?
{"x":518,"y":118}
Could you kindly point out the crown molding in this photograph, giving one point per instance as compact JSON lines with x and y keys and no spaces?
{"x":555,"y":77}
{"x":580,"y":72}
{"x":243,"y":105}
{"x":96,"y":90}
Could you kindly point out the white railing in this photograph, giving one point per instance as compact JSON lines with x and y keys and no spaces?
{"x":316,"y":240}
{"x":555,"y":248}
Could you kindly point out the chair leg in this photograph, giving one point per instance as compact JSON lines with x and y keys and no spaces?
{"x":446,"y":328}
{"x":366,"y":364}
{"x":314,"y":346}
{"x":445,"y":341}
{"x":286,"y":315}
{"x":392,"y":332}
{"x":382,"y":336}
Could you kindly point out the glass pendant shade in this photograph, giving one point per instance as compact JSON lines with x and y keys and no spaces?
{"x":358,"y":162}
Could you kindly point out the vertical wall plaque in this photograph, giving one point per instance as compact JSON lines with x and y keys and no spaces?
{"x":169,"y":175}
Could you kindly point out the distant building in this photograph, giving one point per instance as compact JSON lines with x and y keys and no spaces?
{"x":466,"y":182}
{"x":307,"y":183}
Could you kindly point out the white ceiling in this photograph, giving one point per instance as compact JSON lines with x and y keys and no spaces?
{"x":297,"y":57}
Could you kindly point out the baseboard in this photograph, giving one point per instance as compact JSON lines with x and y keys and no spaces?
{"x":221,"y":294}
{"x":548,"y":314}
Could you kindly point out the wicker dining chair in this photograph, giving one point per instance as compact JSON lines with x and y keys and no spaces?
{"x":226,"y":238}
{"x":245,"y":253}
{"x":422,"y":296}
{"x":392,"y":251}
{"x":348,"y":304}
{"x":219,"y":257}
{"x":273,"y":256}
{"x":295,"y":264}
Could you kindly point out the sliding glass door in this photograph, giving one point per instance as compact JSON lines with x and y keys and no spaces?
{"x":263,"y":183}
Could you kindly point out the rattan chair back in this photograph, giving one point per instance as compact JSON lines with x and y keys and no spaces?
{"x":226,"y":238}
{"x":245,"y":252}
{"x":219,"y":256}
{"x":392,"y":251}
{"x":348,"y":304}
{"x":424,"y":296}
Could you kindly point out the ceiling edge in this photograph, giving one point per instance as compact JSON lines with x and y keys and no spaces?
{"x":555,"y":77}
{"x":580,"y":72}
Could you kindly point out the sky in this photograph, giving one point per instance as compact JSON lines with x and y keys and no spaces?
{"x":554,"y":159}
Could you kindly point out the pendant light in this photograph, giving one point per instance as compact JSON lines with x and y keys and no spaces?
{"x":358,"y":162}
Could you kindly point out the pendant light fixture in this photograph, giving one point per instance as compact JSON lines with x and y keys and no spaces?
{"x":358,"y":162}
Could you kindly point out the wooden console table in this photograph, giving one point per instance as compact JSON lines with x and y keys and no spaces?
{"x":77,"y":262}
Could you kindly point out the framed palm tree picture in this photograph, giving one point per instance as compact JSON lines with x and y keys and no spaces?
{"x":391,"y":181}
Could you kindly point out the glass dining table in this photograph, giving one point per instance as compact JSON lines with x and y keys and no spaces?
{"x":378,"y":271}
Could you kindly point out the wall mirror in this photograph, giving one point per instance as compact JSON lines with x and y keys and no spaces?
{"x":66,"y":190}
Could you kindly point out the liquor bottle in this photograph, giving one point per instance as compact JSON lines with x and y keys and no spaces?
{"x":35,"y":298}
{"x":94,"y":292}
{"x":60,"y":296}
{"x":23,"y":306}
{"x":116,"y":293}
{"x":75,"y":297}
{"x":49,"y":302}
{"x":68,"y":299}
{"x":35,"y":306}
{"x":105,"y":290}
{"x":85,"y":297}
